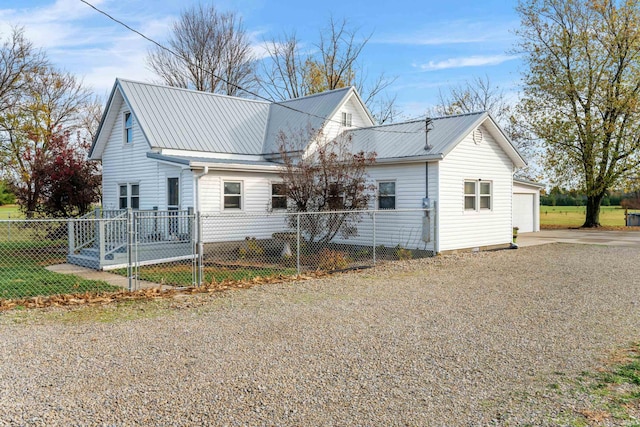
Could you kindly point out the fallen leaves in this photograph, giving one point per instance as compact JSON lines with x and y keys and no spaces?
{"x":102,"y":298}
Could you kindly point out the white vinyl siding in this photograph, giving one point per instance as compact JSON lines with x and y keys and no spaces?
{"x":129,"y":164}
{"x":461,"y":228}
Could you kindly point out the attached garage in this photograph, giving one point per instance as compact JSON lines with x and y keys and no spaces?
{"x":526,"y":205}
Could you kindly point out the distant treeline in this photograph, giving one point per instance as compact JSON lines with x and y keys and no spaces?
{"x":562,"y":197}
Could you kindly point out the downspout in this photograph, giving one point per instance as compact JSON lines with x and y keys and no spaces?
{"x":196,"y":189}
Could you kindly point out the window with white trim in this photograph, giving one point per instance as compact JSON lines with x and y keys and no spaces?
{"x":485,"y":195}
{"x":232,"y":194}
{"x":386,"y":194}
{"x":128,"y":128}
{"x":477,"y":195}
{"x":129,"y":196}
{"x":347,"y":119}
{"x":278,"y":196}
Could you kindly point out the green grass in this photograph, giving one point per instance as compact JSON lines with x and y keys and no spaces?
{"x":10,"y":212}
{"x":179,"y":274}
{"x":23,"y":273}
{"x":573,"y":216}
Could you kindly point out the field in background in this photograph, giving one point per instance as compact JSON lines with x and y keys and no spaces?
{"x":10,"y":212}
{"x":573,"y":216}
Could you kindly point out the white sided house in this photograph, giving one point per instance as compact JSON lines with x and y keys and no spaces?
{"x":165,"y":148}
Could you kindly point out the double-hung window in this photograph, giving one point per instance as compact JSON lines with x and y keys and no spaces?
{"x":129,"y":196}
{"x":278,"y":196}
{"x":347,"y":119}
{"x":386,"y":195}
{"x":232,"y":195}
{"x":128,"y":128}
{"x":477,"y":195}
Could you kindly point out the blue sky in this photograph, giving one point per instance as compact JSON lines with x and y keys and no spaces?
{"x":426,"y":45}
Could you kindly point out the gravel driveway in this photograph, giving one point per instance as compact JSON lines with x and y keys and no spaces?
{"x":472,"y":339}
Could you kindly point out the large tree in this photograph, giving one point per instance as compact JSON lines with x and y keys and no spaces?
{"x":334,"y":62}
{"x":213,"y":53}
{"x":53,"y":103}
{"x":582,"y":90}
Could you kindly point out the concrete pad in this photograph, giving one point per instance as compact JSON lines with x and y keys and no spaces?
{"x":110,"y":278}
{"x":581,"y":236}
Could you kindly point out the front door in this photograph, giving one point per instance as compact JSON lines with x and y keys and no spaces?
{"x":173,"y":203}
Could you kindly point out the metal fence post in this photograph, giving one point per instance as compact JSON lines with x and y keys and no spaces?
{"x":130,"y":247}
{"x":71,"y":235}
{"x":298,"y":245}
{"x":374,"y":237}
{"x":200,"y":249}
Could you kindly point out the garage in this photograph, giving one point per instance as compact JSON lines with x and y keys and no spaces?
{"x":526,"y":205}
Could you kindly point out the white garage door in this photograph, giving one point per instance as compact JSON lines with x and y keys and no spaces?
{"x":523,"y":212}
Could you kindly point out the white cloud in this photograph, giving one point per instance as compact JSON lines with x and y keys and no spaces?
{"x":453,"y":32}
{"x":468,"y":61}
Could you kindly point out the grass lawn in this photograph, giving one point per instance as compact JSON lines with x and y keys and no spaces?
{"x":10,"y":212}
{"x":23,"y":273}
{"x":573,"y":216}
{"x":179,"y":274}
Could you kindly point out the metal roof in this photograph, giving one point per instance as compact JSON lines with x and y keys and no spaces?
{"x":403,"y":140}
{"x":197,"y":121}
{"x":287,"y":117}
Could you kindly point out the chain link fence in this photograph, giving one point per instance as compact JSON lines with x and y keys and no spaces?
{"x":138,"y":249}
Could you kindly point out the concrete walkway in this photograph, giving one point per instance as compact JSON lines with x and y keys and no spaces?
{"x":110,"y":278}
{"x":591,"y":237}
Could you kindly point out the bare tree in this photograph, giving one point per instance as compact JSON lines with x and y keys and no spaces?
{"x":332,"y":180}
{"x":214,"y":53}
{"x":18,"y":59}
{"x":335,"y":62}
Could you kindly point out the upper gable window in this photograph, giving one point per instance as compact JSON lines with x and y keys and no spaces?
{"x":347,"y":119}
{"x":128,"y":128}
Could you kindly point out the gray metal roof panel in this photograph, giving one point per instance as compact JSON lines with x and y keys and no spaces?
{"x":300,"y":114}
{"x":197,"y":121}
{"x":407,"y":139}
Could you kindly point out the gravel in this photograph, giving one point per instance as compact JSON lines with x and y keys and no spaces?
{"x":470,"y":339}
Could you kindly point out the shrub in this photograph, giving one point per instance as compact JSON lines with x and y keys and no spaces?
{"x":332,"y":260}
{"x":403,"y":254}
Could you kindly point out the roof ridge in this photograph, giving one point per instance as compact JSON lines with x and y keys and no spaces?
{"x":200,"y":92}
{"x":314,"y":95}
{"x":473,"y":113}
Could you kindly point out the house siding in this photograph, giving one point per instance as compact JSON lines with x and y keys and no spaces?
{"x":255,"y":219}
{"x":486,"y":161}
{"x":394,"y":227}
{"x":128,"y":163}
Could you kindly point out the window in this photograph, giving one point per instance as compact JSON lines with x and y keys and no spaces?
{"x":128,"y":128}
{"x":346,"y":119}
{"x":129,"y":196}
{"x":485,"y":195}
{"x":232,"y":195}
{"x":278,"y":196}
{"x":475,"y":191}
{"x":470,"y":195}
{"x":386,"y":195}
{"x":173,"y":193}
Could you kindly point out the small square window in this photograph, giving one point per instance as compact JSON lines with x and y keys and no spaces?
{"x":278,"y":196}
{"x":232,"y":195}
